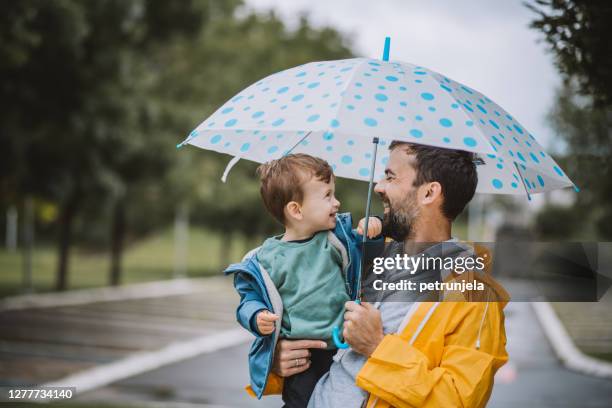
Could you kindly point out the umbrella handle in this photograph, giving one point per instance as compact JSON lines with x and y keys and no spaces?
{"x":336,"y":334}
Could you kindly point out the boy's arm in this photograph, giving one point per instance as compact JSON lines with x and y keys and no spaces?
{"x":250,"y":303}
{"x":374,"y":228}
{"x":373,"y":247}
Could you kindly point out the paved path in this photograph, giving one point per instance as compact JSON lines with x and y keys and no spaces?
{"x":532,"y":378}
{"x":589,"y":324}
{"x":210,"y":380}
{"x":46,"y":344}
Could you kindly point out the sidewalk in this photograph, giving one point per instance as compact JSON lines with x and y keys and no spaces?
{"x":93,"y":344}
{"x":589,"y":325}
{"x":534,"y":376}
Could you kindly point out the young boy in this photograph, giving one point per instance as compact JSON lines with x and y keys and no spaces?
{"x":296,"y":284}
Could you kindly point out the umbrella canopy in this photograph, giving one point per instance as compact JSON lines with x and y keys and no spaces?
{"x":333,"y":110}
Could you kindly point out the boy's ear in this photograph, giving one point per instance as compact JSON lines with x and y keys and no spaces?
{"x":293,"y":211}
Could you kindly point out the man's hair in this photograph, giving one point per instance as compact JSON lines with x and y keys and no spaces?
{"x":453,"y":169}
{"x":282,"y":180}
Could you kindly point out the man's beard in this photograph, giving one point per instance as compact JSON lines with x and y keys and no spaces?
{"x":398,"y":222}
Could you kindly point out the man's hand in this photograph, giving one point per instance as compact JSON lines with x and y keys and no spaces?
{"x":374,"y":227}
{"x":292,"y":356}
{"x":363,"y":328}
{"x":265,"y":322}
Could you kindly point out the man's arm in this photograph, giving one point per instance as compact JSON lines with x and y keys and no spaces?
{"x":290,"y":357}
{"x":400,"y":374}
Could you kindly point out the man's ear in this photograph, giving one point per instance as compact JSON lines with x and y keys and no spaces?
{"x":293,"y":211}
{"x":432,"y":192}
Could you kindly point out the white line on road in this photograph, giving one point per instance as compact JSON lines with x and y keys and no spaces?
{"x":146,"y":361}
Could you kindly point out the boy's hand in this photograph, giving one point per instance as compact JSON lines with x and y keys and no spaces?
{"x":265,"y":322}
{"x":374,"y":227}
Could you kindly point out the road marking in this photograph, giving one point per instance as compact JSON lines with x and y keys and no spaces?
{"x":139,"y":363}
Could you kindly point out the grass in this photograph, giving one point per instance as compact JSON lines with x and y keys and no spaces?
{"x":147,"y":260}
{"x":602,"y":356}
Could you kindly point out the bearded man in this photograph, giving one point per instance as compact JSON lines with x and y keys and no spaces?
{"x":407,"y":352}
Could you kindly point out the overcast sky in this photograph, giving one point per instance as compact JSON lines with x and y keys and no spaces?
{"x":486,"y":45}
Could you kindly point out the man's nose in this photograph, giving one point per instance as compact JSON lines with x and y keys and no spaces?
{"x":379,"y":187}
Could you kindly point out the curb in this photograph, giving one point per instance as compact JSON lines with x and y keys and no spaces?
{"x":107,"y":294}
{"x":564,"y":347}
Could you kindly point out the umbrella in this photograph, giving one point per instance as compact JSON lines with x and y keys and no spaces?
{"x":334,"y":109}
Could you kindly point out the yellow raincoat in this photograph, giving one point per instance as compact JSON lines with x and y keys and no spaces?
{"x":445,"y":356}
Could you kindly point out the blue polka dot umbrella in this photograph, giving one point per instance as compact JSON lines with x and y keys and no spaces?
{"x":334,"y":109}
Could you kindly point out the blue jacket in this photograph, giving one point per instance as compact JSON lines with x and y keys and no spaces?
{"x":257,"y":292}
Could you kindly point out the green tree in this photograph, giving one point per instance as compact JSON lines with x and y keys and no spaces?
{"x":74,"y":98}
{"x":230,"y":55}
{"x":587,"y":133}
{"x":578,"y":33}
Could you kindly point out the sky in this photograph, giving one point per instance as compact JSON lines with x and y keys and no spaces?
{"x":486,"y":45}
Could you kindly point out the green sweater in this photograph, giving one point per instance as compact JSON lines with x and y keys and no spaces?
{"x":310,"y":281}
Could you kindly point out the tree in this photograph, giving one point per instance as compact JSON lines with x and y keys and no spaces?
{"x":96,"y":94}
{"x":578,"y":33}
{"x":230,"y":55}
{"x":587,"y":133}
{"x":74,"y":98}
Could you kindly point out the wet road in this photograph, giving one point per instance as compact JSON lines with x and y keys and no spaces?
{"x":532,"y":378}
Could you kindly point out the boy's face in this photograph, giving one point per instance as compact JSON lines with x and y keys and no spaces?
{"x":319,"y":206}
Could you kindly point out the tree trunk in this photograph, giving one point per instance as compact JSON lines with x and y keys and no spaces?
{"x":225,"y":249}
{"x":117,"y":241}
{"x":28,"y":244}
{"x":181,"y":240}
{"x":67,"y":213}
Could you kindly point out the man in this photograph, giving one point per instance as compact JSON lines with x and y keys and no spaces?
{"x":411,"y":353}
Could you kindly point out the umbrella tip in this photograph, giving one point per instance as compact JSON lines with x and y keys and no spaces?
{"x":178,"y":146}
{"x":386,"y":50}
{"x":576,"y":188}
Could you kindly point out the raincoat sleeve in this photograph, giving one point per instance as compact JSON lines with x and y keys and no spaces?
{"x":403,"y":376}
{"x":251,"y":302}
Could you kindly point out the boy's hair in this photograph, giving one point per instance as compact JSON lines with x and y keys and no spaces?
{"x":282,"y":179}
{"x":455,"y":170}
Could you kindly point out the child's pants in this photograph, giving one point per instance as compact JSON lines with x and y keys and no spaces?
{"x":298,"y":388}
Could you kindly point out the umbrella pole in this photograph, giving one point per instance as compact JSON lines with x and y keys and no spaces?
{"x":336,"y":336}
{"x":375,"y":141}
{"x":370,"y":188}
